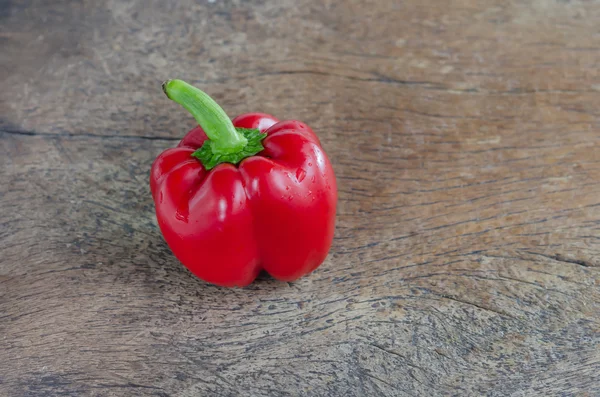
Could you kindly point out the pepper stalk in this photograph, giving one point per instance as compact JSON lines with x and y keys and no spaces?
{"x":226,"y":143}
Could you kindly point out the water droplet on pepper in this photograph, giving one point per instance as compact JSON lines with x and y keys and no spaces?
{"x":300,"y":174}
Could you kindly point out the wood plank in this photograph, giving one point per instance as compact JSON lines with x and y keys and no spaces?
{"x":464,"y":138}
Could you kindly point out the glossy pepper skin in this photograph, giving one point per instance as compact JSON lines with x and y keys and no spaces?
{"x":274,"y":210}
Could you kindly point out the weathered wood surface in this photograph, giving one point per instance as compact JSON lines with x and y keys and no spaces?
{"x":465,"y":136}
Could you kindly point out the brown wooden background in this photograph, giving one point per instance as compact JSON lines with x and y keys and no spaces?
{"x":465,"y":137}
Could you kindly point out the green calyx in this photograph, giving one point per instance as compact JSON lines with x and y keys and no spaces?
{"x":211,"y":158}
{"x":226,"y":143}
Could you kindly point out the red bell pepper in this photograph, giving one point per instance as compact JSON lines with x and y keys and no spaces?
{"x":234,"y":198}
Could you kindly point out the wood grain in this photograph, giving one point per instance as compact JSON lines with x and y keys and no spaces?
{"x":464,"y":136}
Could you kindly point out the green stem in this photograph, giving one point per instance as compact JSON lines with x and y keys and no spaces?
{"x":213,"y":120}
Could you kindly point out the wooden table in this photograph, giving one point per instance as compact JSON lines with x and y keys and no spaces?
{"x":465,"y":138}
